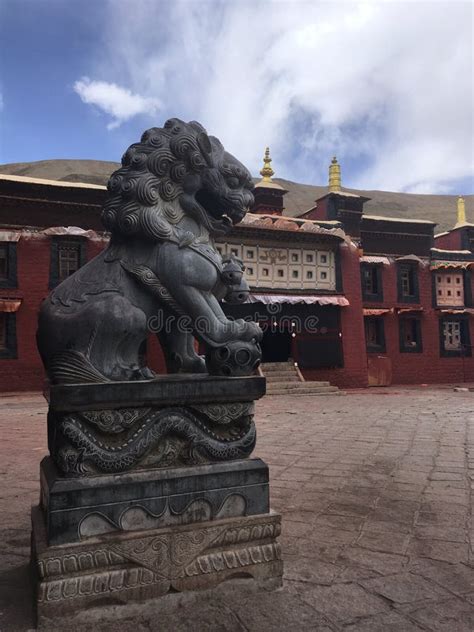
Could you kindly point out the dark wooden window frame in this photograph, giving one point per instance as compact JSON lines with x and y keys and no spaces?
{"x":418,"y":347}
{"x":10,"y":351}
{"x":466,"y":349}
{"x":10,"y":281}
{"x":413,"y":268}
{"x":375,"y":268}
{"x":56,"y":243}
{"x":338,"y":270}
{"x":380,"y":325}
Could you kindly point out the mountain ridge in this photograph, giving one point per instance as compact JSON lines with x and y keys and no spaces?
{"x":300,"y":197}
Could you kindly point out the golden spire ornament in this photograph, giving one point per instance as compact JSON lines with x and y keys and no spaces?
{"x":267,"y":172}
{"x":334,"y":175}
{"x":461,"y":211}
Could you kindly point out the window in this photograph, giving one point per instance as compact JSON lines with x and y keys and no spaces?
{"x":250,"y":254}
{"x":408,"y":283}
{"x":309,"y":274}
{"x":3,"y":261}
{"x":295,"y":257}
{"x":67,"y":256}
{"x":371,"y":278}
{"x":68,"y":260}
{"x":234,"y":251}
{"x":8,"y":264}
{"x":454,"y":336}
{"x":323,"y":259}
{"x":280,"y":273}
{"x":449,"y":288}
{"x":265,"y":272}
{"x":324,"y":275}
{"x":8,"y":349}
{"x":295,"y":274}
{"x":410,"y":335}
{"x":309,"y":257}
{"x":3,"y":332}
{"x":374,"y":334}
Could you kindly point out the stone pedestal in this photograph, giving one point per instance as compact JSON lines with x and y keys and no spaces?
{"x":129,"y":566}
{"x":145,"y":494}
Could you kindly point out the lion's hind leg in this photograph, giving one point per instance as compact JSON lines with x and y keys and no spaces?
{"x":120,"y":332}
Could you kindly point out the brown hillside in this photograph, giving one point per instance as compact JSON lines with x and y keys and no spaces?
{"x":438,"y":208}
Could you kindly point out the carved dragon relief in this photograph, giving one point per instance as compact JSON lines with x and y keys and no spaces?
{"x":113,"y":441}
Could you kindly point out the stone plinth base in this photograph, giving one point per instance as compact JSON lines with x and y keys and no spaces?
{"x":148,"y":491}
{"x":129,"y":567}
{"x":79,"y":508}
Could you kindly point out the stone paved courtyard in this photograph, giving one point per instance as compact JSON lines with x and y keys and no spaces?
{"x":375,"y":492}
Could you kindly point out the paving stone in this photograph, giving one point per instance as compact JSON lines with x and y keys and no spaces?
{"x":348,"y":523}
{"x":448,"y":520}
{"x":404,"y":588}
{"x":387,"y":525}
{"x":397,"y":510}
{"x":457,"y":578}
{"x":296,"y":474}
{"x":354,"y":574}
{"x":392,"y":622}
{"x":439,"y":550}
{"x":349,"y":509}
{"x":306,"y":517}
{"x":441,"y":475}
{"x":331,"y":535}
{"x":383,"y":563}
{"x":304,"y":547}
{"x":387,"y":542}
{"x":452,"y":615}
{"x":310,"y":570}
{"x":277,"y":611}
{"x":344,"y":602}
{"x":430,"y":532}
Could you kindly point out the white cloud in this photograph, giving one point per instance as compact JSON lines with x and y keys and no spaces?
{"x":383,"y":85}
{"x":114,"y":100}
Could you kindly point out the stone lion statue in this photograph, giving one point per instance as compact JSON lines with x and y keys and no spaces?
{"x":177,"y":189}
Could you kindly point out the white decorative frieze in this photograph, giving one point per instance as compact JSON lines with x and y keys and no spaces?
{"x":285,"y":268}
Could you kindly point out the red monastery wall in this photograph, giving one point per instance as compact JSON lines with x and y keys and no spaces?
{"x":33,"y":259}
{"x":428,"y":366}
{"x":354,"y":372}
{"x":450,"y":241}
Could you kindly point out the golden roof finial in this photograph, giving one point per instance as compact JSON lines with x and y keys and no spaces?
{"x":267,"y":172}
{"x":461,"y":211}
{"x":334,"y":175}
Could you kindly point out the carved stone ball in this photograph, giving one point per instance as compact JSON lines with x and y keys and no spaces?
{"x":234,"y":358}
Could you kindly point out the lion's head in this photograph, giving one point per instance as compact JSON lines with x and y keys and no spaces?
{"x":176,"y":170}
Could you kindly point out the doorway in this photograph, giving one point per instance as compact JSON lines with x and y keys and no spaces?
{"x":276,"y":346}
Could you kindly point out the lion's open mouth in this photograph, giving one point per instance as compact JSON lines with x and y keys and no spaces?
{"x":219,"y":210}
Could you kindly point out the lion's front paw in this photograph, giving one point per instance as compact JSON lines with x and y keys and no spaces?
{"x":194,"y":365}
{"x":251,"y":331}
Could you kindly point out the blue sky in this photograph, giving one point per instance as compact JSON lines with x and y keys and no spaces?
{"x":384,"y":85}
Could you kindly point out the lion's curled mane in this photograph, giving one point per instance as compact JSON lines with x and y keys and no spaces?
{"x":173,"y":171}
